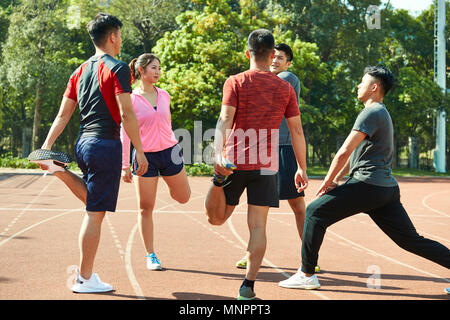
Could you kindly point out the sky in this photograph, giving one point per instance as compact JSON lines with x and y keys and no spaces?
{"x":414,"y":6}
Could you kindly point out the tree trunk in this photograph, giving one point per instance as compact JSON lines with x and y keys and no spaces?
{"x":395,"y":156}
{"x":37,"y":116}
{"x":413,"y":153}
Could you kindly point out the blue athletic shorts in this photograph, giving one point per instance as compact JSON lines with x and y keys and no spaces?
{"x":100,"y":160}
{"x":167,"y":162}
{"x":286,"y":174}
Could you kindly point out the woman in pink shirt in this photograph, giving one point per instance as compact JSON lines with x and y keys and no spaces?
{"x":152,"y":107}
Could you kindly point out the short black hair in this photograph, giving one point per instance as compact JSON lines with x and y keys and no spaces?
{"x":286,"y":49}
{"x":102,"y":26}
{"x":382,"y":74}
{"x":260,"y":43}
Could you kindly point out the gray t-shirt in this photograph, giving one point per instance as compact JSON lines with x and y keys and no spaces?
{"x":284,"y":134}
{"x":371,"y":161}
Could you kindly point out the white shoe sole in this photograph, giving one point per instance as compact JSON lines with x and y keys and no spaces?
{"x":154,"y":268}
{"x":296,"y":286}
{"x":80,"y":289}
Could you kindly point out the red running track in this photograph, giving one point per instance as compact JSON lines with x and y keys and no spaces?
{"x":40,"y":220}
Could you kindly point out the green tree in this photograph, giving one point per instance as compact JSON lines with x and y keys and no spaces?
{"x":408,"y":51}
{"x":207,"y":47}
{"x":34,"y":56}
{"x":148,"y":20}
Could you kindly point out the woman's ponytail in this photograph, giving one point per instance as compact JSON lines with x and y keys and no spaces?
{"x":134,"y":75}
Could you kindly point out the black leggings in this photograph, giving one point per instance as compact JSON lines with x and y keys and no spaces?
{"x":383,"y":206}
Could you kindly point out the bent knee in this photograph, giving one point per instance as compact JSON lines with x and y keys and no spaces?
{"x":184,"y":198}
{"x":214,"y":220}
{"x":312,"y":208}
{"x":181,"y":196}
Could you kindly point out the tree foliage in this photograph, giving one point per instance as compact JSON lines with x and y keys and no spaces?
{"x":202,"y":42}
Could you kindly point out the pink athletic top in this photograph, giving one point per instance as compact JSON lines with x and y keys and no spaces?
{"x":154,"y":125}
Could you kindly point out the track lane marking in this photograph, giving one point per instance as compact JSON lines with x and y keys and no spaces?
{"x":424,"y":202}
{"x":128,"y":263}
{"x":19,"y":215}
{"x":268,"y":262}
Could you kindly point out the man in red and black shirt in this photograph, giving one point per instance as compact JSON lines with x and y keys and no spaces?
{"x":101,"y":87}
{"x":253,"y":105}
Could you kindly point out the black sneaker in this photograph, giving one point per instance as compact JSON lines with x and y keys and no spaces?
{"x":55,"y":161}
{"x":43,"y":154}
{"x":246,"y":293}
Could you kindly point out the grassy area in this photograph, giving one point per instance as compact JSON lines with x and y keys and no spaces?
{"x":202,"y":169}
{"x":405,"y":172}
{"x":314,"y":171}
{"x":399,"y":172}
{"x":196,"y":169}
{"x":14,"y":162}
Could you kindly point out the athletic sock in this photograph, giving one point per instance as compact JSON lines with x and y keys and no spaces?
{"x":248,"y":283}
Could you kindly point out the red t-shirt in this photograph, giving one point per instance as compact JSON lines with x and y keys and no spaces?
{"x":261,"y":99}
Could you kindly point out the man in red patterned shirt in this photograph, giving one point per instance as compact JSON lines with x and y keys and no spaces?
{"x":253,"y":106}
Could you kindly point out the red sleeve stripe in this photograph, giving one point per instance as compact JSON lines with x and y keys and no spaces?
{"x":73,"y":84}
{"x":107,"y":81}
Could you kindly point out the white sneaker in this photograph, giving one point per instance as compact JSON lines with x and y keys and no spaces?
{"x":300,"y":281}
{"x":94,"y":284}
{"x":153,"y":263}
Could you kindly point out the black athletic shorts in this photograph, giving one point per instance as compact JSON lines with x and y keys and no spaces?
{"x":260,"y":185}
{"x":286,"y":174}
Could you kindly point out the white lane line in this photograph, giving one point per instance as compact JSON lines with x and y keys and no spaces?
{"x":424,"y":202}
{"x":115,"y":237}
{"x":359,"y":247}
{"x":374,"y":253}
{"x":156,"y":210}
{"x":432,"y":236}
{"x":210,"y":228}
{"x":39,"y":223}
{"x":19,"y":215}
{"x":268,"y":262}
{"x":128,"y":264}
{"x":129,"y":268}
{"x":35,"y":209}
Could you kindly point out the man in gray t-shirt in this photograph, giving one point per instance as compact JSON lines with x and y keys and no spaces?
{"x":284,"y":136}
{"x":371,"y":161}
{"x":367,"y":155}
{"x":287,"y":190}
